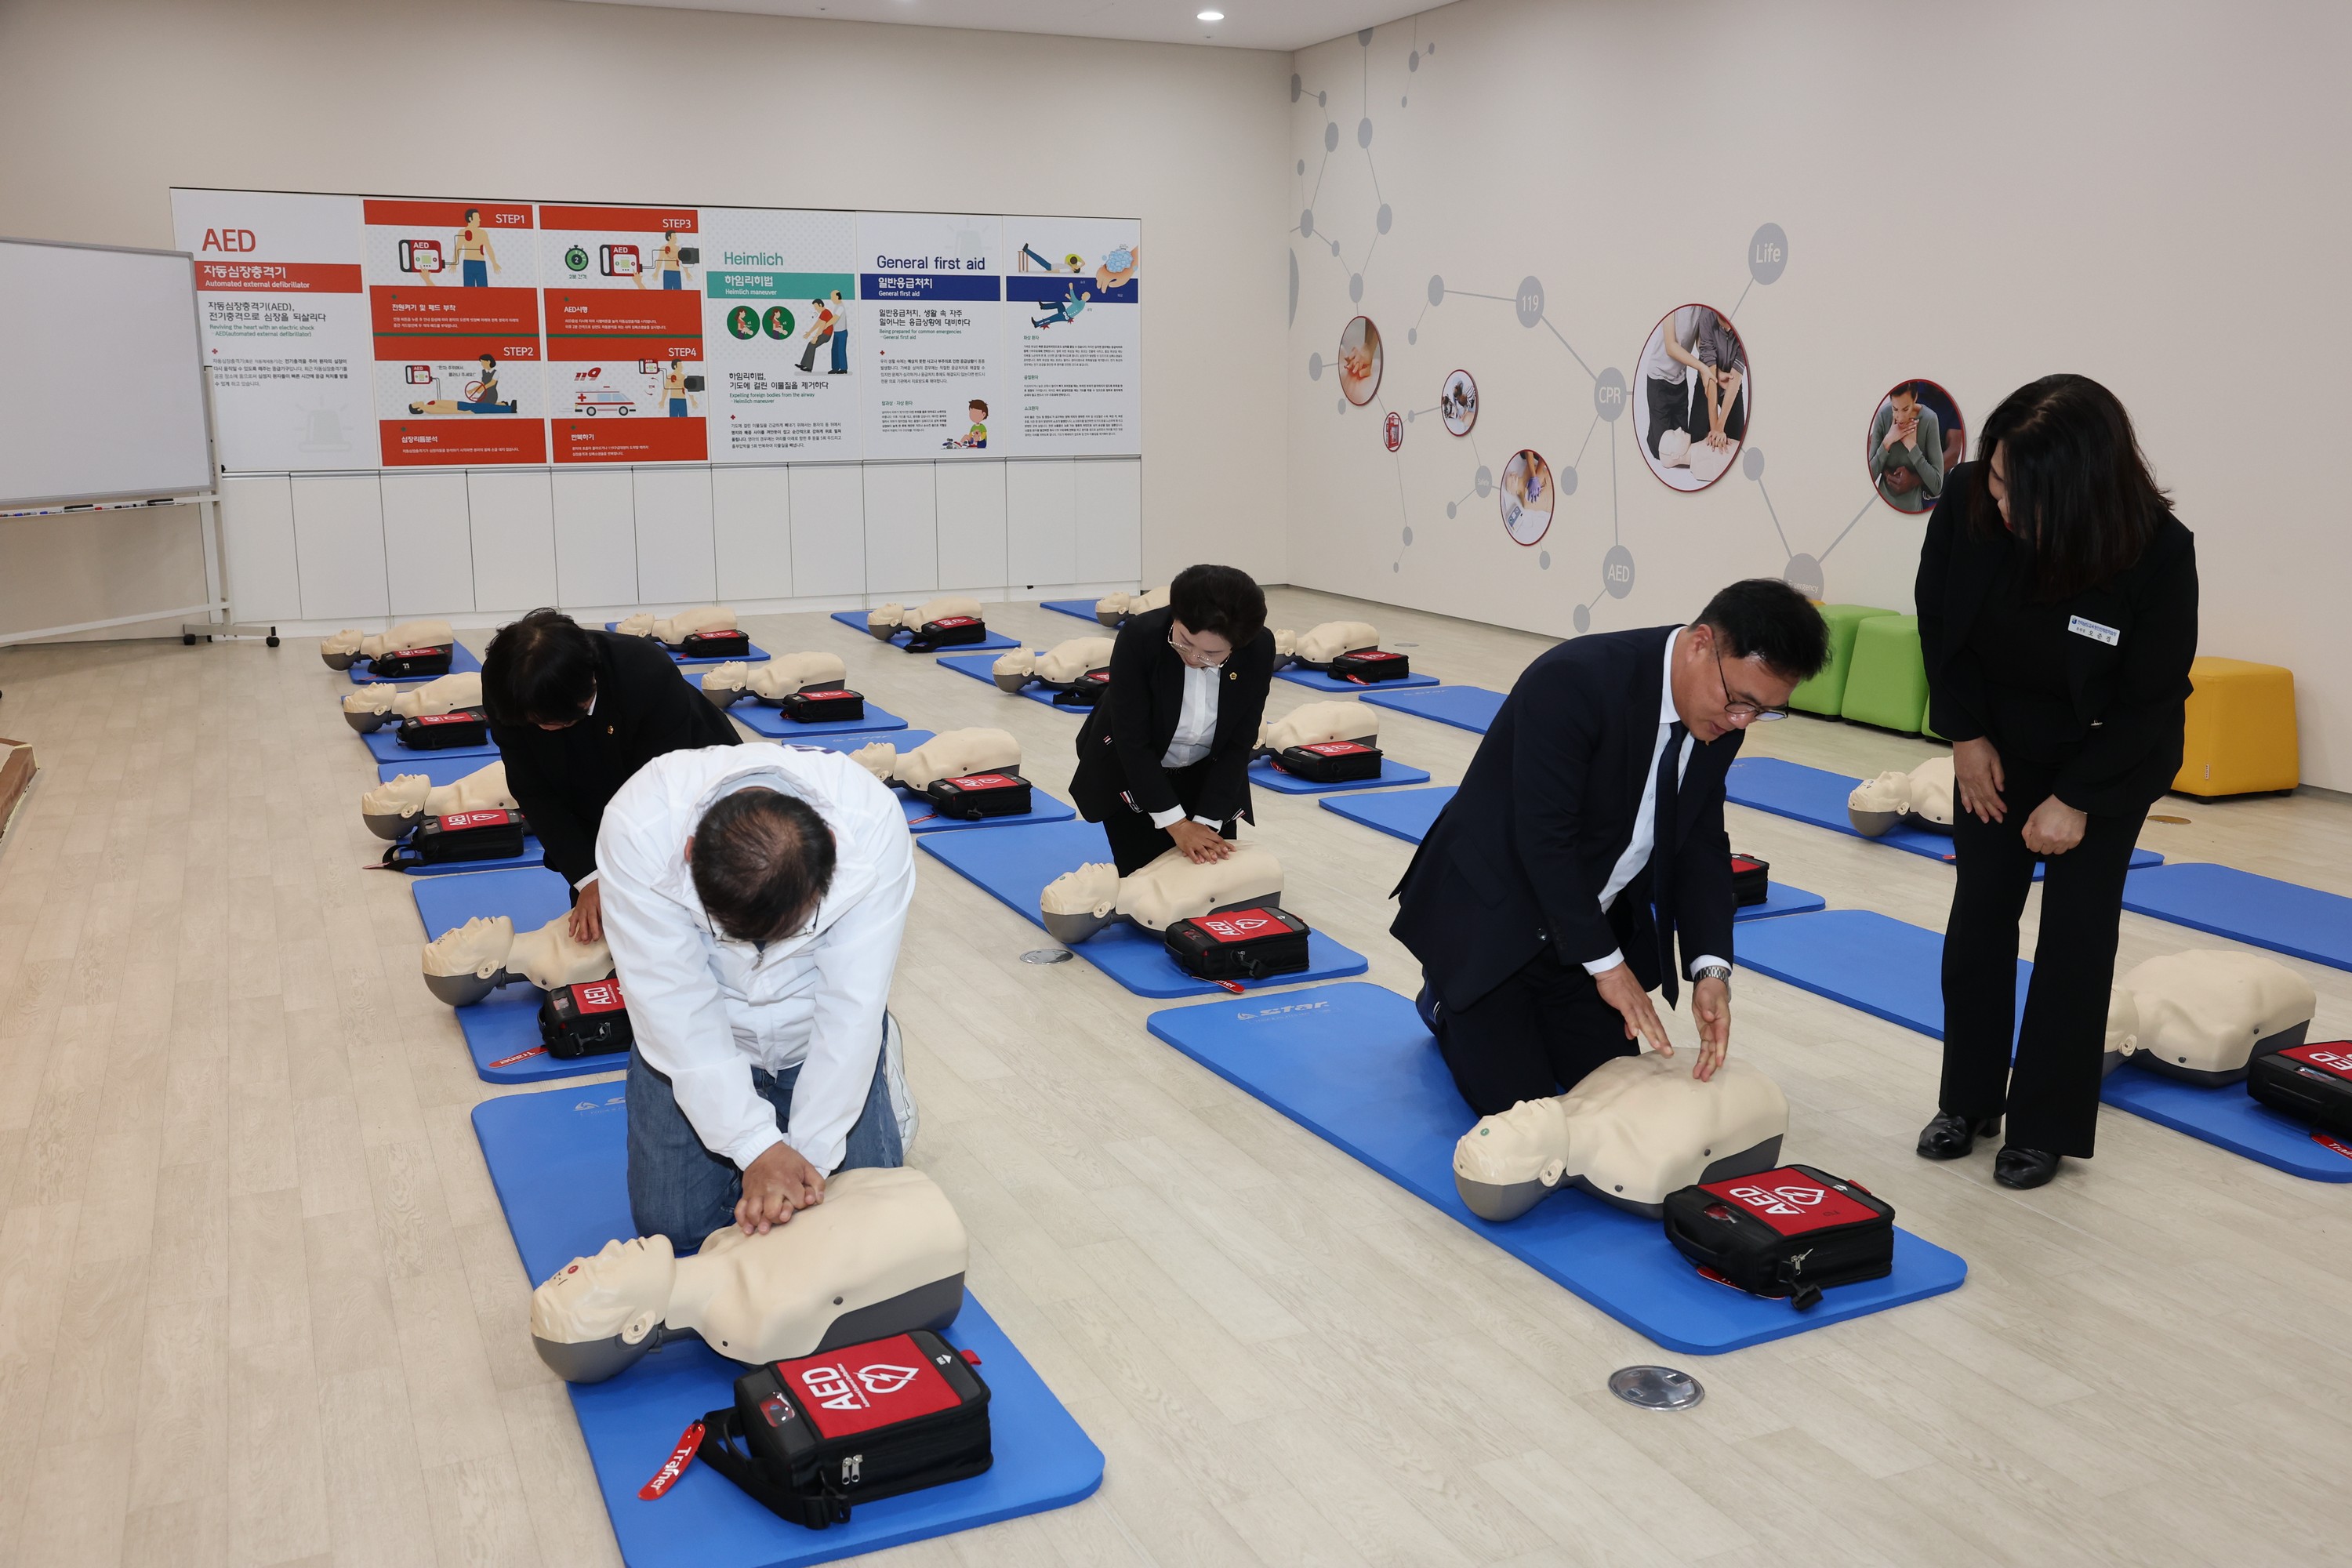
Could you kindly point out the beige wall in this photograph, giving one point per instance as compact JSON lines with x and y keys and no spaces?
{"x":2151,"y":195}
{"x":106,"y":104}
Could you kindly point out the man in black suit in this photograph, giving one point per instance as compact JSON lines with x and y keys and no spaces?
{"x":573,"y":713}
{"x":1597,"y":795}
{"x":1164,"y":757}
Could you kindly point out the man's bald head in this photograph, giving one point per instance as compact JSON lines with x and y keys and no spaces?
{"x":762,"y":861}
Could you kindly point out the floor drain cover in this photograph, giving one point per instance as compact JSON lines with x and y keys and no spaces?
{"x":1048,"y":955}
{"x":1657,"y":1387}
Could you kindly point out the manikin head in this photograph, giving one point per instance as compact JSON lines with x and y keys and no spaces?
{"x":599,"y":1314}
{"x":1751,"y":646}
{"x":541,"y":670}
{"x":762,"y":861}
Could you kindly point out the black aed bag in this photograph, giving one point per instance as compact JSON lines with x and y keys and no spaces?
{"x":947,"y":631}
{"x":589,"y":1019}
{"x":413,"y":663}
{"x":1085,"y":691}
{"x":1370,"y":664}
{"x":1254,"y":943}
{"x":808,"y":1438}
{"x":727,"y":642}
{"x":976,"y":795}
{"x":439,"y":731}
{"x":1330,"y":762}
{"x":1751,"y":881}
{"x":1792,"y":1231}
{"x":828,"y":706}
{"x":494,"y":835}
{"x":2312,"y":1083}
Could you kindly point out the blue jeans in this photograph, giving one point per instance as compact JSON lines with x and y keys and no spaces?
{"x":475,"y":274}
{"x":841,"y":351}
{"x":672,"y":279}
{"x":677,"y":407}
{"x":681,"y":1190}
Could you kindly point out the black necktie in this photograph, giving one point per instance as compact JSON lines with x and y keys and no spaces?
{"x":1662,"y":858}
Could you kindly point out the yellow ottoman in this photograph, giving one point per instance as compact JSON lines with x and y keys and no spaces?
{"x":2241,"y":734}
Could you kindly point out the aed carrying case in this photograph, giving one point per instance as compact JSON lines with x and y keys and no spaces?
{"x":1085,"y":691}
{"x":977,"y":795}
{"x":947,"y":631}
{"x":413,"y":663}
{"x":1792,"y":1231}
{"x":1330,"y":762}
{"x":1751,"y":881}
{"x":440,"y":731}
{"x":495,"y":834}
{"x":587,"y":1019}
{"x":2312,"y":1083}
{"x":1254,"y":943}
{"x":1370,"y":664}
{"x":827,"y":706}
{"x":726,"y":642}
{"x":810,"y":1438}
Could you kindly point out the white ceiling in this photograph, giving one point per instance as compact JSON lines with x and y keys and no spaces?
{"x":1249,"y":24}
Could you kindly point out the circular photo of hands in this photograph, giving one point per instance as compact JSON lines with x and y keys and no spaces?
{"x":1690,"y":410}
{"x":1527,"y":495}
{"x":1916,"y":438}
{"x":1457,"y":403}
{"x":1360,"y":361}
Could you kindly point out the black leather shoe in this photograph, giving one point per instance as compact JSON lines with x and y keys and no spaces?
{"x":2023,"y":1168}
{"x":1425,"y":1003}
{"x":1950,"y":1137}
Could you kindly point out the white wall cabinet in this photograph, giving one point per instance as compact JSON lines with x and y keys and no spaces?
{"x":428,"y":543}
{"x":338,"y":546}
{"x":513,"y":514}
{"x":595,"y":538}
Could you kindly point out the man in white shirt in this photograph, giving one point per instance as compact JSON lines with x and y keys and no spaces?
{"x":754,"y":898}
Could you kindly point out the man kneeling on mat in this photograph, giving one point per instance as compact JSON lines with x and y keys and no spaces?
{"x":754,"y":898}
{"x":1597,"y":795}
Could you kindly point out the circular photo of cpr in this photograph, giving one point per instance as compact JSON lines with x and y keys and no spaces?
{"x":1360,"y":361}
{"x":1457,"y":403}
{"x":1528,"y":496}
{"x":1916,"y":438}
{"x":1690,"y":411}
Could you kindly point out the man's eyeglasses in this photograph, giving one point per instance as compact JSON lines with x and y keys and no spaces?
{"x":1193,"y":656}
{"x":1739,"y":708}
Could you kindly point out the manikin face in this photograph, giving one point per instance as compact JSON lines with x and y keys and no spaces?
{"x":1714,"y":693}
{"x":625,"y":1287}
{"x":1998,"y":474}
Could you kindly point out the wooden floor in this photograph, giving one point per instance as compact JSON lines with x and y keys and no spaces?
{"x":257,"y":1304}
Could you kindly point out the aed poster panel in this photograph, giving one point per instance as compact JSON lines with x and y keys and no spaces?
{"x":624,"y":315}
{"x":453,"y":307}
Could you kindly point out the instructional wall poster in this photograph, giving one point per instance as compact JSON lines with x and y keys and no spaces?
{"x":350,"y":332}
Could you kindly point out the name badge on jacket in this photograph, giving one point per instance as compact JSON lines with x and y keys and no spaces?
{"x":2093,"y":630}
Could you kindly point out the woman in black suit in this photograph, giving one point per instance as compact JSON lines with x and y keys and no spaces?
{"x":2057,"y":600}
{"x":1164,"y":757}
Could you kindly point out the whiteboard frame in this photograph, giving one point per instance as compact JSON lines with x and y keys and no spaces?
{"x":211,"y":486}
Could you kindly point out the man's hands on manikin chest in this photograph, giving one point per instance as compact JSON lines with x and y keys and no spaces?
{"x":1710,"y":1007}
{"x":775,"y":1185}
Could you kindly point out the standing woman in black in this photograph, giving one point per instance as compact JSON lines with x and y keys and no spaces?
{"x":2057,"y":600}
{"x":1164,"y":757}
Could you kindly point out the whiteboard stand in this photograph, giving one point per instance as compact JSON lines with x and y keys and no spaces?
{"x":216,"y":626}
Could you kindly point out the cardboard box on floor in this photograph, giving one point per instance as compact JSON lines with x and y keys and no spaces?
{"x":16,"y":771}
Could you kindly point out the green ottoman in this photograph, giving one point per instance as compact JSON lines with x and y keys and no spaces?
{"x":1886,"y":684}
{"x":1825,"y":693}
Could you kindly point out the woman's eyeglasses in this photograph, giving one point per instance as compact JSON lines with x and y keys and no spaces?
{"x":1193,"y":656}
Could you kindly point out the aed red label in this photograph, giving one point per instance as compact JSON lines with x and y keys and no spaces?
{"x":458,"y":821}
{"x":1336,"y":748}
{"x":598,"y":996}
{"x":867,"y":1387}
{"x":1791,"y":1201}
{"x":948,"y":622}
{"x":985,"y":781}
{"x":1243,"y":925}
{"x":2327,"y":1056}
{"x":418,"y":652}
{"x":834,"y":696}
{"x":461,"y":717}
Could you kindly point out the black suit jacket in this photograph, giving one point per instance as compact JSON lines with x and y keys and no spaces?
{"x":1124,"y":738}
{"x":1517,"y":861}
{"x":2132,"y":691}
{"x":562,"y":778}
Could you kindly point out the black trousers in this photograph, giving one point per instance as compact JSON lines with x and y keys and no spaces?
{"x":1533,"y":1036}
{"x":1134,"y":842}
{"x":2050,"y":1092}
{"x":1683,"y":408}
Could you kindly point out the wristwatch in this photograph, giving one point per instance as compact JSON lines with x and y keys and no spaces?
{"x":1715,"y":972}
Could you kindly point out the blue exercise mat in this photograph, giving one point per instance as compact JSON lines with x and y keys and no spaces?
{"x":2284,"y":917}
{"x":1893,"y":971}
{"x":1264,"y":775}
{"x":1464,"y":707}
{"x":461,"y":661}
{"x":1014,"y":864}
{"x":503,"y":1030}
{"x":1353,"y":1065}
{"x":443,"y":769}
{"x":383,"y":745}
{"x":1315,"y":680}
{"x":1817,"y":796}
{"x":1083,"y":609}
{"x":877,"y":724}
{"x":855,"y":620}
{"x":756,"y":655}
{"x":558,"y":1162}
{"x":982,"y":667}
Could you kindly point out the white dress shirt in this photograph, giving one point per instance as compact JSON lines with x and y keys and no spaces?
{"x":1646,"y":816}
{"x":706,"y":1008}
{"x":1196,"y":726}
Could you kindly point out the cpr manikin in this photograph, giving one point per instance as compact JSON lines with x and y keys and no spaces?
{"x":950,"y":756}
{"x":1921,"y":798}
{"x":390,"y":809}
{"x":884,"y":1253}
{"x":372,"y":707}
{"x":465,"y":965}
{"x":1117,"y":609}
{"x":2206,"y":1013}
{"x":1322,"y":645}
{"x":1636,"y":1129}
{"x":1316,"y":722}
{"x":774,"y":681}
{"x":2123,"y":1030}
{"x":891,"y":619}
{"x":1060,"y":664}
{"x":342,"y":650}
{"x":1077,"y":904}
{"x":675,"y":629}
{"x":1677,"y":450}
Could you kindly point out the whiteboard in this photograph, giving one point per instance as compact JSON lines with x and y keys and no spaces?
{"x":104,"y":399}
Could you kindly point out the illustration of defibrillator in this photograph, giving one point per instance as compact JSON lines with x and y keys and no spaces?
{"x":421,"y":256}
{"x":618,"y":260}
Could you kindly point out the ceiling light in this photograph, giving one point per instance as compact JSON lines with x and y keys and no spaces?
{"x":1211,"y":17}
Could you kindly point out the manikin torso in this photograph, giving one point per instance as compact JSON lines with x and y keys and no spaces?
{"x":1921,"y":798}
{"x":944,"y":756}
{"x":1315,"y":722}
{"x":1060,"y":664}
{"x":467,"y":964}
{"x":372,"y":706}
{"x":1077,"y":904}
{"x":390,"y":809}
{"x":1322,"y":645}
{"x":891,"y":618}
{"x":344,"y":646}
{"x":676,"y":629}
{"x":774,"y":681}
{"x":2206,"y":1013}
